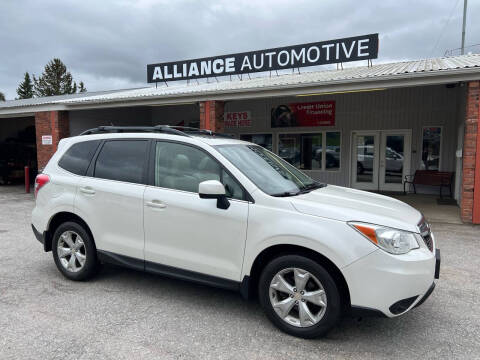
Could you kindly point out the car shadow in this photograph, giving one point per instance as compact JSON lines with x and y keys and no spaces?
{"x":369,"y":330}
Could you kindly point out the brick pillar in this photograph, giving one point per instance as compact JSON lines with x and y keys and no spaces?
{"x":54,"y":123}
{"x":470,"y":204}
{"x":211,"y":115}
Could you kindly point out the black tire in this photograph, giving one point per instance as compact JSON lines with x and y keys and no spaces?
{"x":333,"y":310}
{"x":90,"y":267}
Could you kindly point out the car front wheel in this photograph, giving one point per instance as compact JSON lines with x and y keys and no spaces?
{"x":299,"y":296}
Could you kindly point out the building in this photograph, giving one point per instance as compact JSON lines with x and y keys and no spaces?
{"x":364,"y":127}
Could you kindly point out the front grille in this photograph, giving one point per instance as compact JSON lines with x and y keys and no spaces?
{"x":426,"y":233}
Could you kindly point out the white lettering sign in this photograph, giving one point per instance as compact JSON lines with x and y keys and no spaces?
{"x":312,"y":54}
{"x":47,"y":140}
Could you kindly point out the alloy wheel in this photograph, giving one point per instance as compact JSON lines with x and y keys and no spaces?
{"x":71,"y":251}
{"x":298,"y":297}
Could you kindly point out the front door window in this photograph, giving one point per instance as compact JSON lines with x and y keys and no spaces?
{"x":365,"y":164}
{"x":394,"y":158}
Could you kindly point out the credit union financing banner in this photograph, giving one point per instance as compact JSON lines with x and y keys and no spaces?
{"x":318,"y":53}
{"x":319,"y":113}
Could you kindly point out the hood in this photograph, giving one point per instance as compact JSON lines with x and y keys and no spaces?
{"x":346,"y":204}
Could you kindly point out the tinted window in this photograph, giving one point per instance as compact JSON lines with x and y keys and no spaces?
{"x":122,"y":160}
{"x":183,"y":167}
{"x":78,"y":157}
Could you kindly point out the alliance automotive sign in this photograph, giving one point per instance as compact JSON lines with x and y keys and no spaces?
{"x":319,"y":53}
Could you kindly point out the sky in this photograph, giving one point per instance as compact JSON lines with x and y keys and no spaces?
{"x":107,"y":43}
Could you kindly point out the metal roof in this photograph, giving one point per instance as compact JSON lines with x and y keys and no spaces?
{"x":406,"y":73}
{"x":54,"y":99}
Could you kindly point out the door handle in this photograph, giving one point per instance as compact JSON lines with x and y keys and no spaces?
{"x":87,"y":190}
{"x":157,"y":204}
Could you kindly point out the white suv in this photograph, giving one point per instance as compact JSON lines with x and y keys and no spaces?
{"x":198,"y":206}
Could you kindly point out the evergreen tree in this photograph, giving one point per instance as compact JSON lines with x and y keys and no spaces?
{"x":82,"y":87}
{"x":2,"y":97}
{"x":55,"y":80}
{"x":25,"y":89}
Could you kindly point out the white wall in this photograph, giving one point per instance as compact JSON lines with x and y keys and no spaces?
{"x":406,"y":108}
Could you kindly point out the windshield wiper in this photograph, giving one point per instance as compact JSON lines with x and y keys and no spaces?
{"x":312,"y":186}
{"x":306,"y":189}
{"x":286,"y":193}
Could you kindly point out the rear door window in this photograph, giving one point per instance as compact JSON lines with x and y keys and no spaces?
{"x":122,"y":160}
{"x":77,"y":158}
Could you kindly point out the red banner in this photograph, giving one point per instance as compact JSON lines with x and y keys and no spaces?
{"x":319,"y":113}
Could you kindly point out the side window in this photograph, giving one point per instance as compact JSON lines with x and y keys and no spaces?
{"x":184,"y":167}
{"x":77,"y":158}
{"x":122,"y":160}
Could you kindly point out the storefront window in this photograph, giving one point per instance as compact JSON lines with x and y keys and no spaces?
{"x":332,"y":158}
{"x":264,"y":140}
{"x":303,"y":151}
{"x":317,"y":151}
{"x":432,"y":137}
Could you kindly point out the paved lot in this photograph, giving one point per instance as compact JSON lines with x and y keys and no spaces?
{"x":123,"y":314}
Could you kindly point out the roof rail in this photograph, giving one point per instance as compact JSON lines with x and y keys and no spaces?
{"x":197,"y":131}
{"x":133,"y":129}
{"x":167,"y":129}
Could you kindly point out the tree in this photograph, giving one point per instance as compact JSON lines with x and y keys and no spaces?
{"x":25,"y":89}
{"x":2,"y":97}
{"x":82,"y":87}
{"x":55,"y":80}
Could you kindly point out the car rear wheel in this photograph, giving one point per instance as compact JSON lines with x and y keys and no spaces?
{"x":299,"y":296}
{"x":74,"y":251}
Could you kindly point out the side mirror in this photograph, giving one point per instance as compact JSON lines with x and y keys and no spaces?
{"x":214,"y":189}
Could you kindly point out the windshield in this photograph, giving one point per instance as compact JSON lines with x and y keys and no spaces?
{"x":266,"y":170}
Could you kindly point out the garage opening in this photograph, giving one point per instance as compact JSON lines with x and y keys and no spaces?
{"x":17,"y":149}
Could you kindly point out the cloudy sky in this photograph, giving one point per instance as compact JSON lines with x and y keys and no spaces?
{"x":107,"y":43}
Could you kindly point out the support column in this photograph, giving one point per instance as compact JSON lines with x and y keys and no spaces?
{"x":55,"y":124}
{"x":211,"y":115}
{"x":470,"y":204}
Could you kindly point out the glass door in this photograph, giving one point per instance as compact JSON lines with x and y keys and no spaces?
{"x":381,"y":159}
{"x":394,"y":159}
{"x":365,"y":164}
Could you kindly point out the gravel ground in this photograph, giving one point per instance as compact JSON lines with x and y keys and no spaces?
{"x":122,"y":314}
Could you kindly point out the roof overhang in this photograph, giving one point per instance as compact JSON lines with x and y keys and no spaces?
{"x":317,"y":88}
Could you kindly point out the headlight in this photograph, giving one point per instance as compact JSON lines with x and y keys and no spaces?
{"x":391,"y":240}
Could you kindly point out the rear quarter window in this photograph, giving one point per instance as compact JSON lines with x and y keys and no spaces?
{"x":77,"y":158}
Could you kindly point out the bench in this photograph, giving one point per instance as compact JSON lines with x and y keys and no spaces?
{"x":430,"y":177}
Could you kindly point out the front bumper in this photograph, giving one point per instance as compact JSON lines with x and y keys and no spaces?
{"x":392,"y":284}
